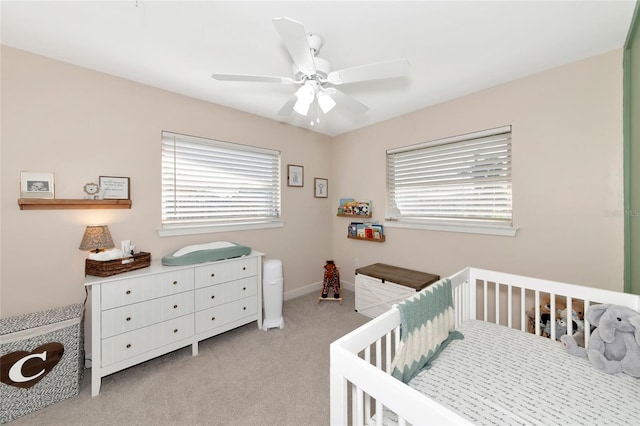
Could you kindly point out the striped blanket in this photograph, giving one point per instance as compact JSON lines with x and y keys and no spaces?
{"x":427,"y":327}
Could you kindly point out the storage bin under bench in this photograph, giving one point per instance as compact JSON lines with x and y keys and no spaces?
{"x":379,"y":286}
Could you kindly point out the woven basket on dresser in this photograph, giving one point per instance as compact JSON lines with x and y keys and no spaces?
{"x":106,"y":268}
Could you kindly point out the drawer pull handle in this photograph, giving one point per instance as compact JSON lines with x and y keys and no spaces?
{"x":244,"y":288}
{"x":175,"y":282}
{"x":128,"y":345}
{"x":213,"y":297}
{"x":128,"y":292}
{"x":128,"y":318}
{"x":213,"y":318}
{"x":175,"y":306}
{"x":244,"y":308}
{"x":213,"y":275}
{"x":175,"y":330}
{"x":244,"y":268}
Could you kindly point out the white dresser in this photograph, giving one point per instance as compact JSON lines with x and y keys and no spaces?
{"x":149,"y":312}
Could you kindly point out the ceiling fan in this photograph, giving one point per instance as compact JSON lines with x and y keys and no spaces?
{"x":314,"y":76}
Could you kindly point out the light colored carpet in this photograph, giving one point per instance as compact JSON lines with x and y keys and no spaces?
{"x":242,"y":377}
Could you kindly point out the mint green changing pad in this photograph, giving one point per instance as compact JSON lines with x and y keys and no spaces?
{"x":201,"y":253}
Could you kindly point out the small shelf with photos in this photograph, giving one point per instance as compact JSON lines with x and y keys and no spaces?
{"x":352,"y":208}
{"x":368,"y":231}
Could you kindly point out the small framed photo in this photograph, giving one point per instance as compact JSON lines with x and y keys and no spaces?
{"x":36,"y":185}
{"x":321,"y":188}
{"x":295,"y":175}
{"x":114,"y":187}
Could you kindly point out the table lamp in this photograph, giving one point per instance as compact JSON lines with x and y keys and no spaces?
{"x":96,"y":238}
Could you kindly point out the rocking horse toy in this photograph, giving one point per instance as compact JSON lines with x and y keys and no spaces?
{"x":331,"y":281}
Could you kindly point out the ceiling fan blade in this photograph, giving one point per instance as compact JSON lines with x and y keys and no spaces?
{"x":259,"y":78}
{"x":347,"y":101}
{"x":287,"y":108}
{"x":295,"y":39}
{"x":380,"y":70}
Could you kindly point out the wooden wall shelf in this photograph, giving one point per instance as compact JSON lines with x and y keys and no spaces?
{"x":376,"y":240}
{"x":69,"y":204}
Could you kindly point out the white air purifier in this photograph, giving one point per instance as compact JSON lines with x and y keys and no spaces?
{"x":272,"y":290}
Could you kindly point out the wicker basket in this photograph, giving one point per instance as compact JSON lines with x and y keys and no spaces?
{"x":107,"y":268}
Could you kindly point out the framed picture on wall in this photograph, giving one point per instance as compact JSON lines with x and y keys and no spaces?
{"x":36,"y":185}
{"x":114,"y":187}
{"x":295,"y":175}
{"x":321,"y":188}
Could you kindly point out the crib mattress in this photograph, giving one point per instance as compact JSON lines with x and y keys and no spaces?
{"x":532,"y":381}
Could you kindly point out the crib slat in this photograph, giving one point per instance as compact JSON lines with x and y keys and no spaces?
{"x":587,"y":326}
{"x":509,"y":306}
{"x":387,"y":345}
{"x":569,"y":316}
{"x":486,"y":301}
{"x":496,"y":288}
{"x":367,"y":398}
{"x":397,"y":336}
{"x":523,"y":314}
{"x":379,"y":414}
{"x":552,"y":316}
{"x":536,"y":308}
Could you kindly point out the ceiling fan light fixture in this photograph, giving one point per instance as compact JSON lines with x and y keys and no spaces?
{"x":325,"y":101}
{"x":305,"y":96}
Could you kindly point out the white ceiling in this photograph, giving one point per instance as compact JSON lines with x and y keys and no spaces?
{"x":454,"y":47}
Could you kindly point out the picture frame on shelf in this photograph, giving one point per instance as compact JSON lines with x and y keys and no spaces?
{"x":295,"y":175}
{"x":114,"y":187}
{"x":321,"y":188}
{"x":37,"y":185}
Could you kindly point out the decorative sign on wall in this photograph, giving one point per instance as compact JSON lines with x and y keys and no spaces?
{"x":24,"y":369}
{"x":114,"y":187}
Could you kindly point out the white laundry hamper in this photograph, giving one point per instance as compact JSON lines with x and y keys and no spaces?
{"x":272,"y":287}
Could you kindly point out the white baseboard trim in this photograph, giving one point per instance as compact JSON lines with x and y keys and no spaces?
{"x":313,"y":288}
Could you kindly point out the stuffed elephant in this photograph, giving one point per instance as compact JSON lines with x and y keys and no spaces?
{"x":614,"y":346}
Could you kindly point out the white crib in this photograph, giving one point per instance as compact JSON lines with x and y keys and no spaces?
{"x":360,"y":362}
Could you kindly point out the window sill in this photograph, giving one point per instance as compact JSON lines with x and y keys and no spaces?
{"x":504,"y":231}
{"x":209,"y":229}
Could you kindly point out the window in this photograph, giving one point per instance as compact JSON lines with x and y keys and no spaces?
{"x":461,"y":184}
{"x":210,"y":186}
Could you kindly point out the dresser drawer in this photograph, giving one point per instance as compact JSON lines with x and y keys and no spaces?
{"x":225,"y":271}
{"x":126,"y":292}
{"x":215,"y":295}
{"x":127,"y":345}
{"x":138,"y":315}
{"x":220,"y":315}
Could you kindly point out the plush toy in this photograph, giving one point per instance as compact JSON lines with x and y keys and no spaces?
{"x":331,"y":279}
{"x":561,"y":310}
{"x":614,"y":346}
{"x":577,"y":328}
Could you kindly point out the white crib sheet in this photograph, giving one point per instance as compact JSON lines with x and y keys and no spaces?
{"x":516,"y":383}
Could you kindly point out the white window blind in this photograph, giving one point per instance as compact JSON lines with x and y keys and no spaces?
{"x":462,"y":180}
{"x":212,"y":183}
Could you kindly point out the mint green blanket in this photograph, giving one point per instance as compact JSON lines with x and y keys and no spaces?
{"x":427,"y":327}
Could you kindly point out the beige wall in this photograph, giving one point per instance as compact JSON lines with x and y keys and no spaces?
{"x":80,"y":124}
{"x":567,"y":179}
